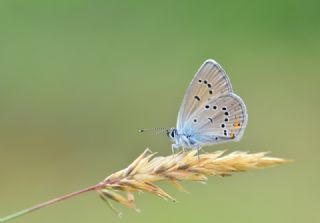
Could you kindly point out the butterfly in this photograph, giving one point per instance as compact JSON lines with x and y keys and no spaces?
{"x":210,"y":112}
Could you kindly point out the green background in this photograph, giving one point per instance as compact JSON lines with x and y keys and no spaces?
{"x":79,"y":78}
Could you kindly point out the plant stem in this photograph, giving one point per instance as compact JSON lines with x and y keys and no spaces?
{"x":50,"y":202}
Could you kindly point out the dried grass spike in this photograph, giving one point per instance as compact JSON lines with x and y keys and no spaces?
{"x":185,"y":166}
{"x":146,"y":170}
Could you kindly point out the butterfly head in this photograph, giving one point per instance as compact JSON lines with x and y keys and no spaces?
{"x":172,"y":133}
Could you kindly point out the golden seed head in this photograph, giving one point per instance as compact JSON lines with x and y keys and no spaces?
{"x":148,"y":169}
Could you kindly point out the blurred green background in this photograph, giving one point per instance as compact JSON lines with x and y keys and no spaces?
{"x":79,"y":78}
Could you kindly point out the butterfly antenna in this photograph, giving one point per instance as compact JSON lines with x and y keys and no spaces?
{"x":157,"y":130}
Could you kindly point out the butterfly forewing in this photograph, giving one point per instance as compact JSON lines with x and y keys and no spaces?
{"x":209,"y":82}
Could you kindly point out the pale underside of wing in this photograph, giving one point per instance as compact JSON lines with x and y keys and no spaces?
{"x":209,"y":82}
{"x":223,"y":118}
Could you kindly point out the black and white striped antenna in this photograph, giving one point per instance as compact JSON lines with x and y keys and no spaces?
{"x":157,"y":130}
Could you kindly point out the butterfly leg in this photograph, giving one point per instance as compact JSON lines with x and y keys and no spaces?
{"x":174,"y":147}
{"x":198,"y":150}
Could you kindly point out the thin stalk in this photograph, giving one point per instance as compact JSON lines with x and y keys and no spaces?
{"x":50,"y":202}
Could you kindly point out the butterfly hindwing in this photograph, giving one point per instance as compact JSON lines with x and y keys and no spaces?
{"x":209,"y":82}
{"x":222,"y":118}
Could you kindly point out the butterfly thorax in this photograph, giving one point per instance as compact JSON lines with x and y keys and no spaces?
{"x":184,"y":140}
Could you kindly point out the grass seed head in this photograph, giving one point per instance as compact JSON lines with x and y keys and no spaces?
{"x":142,"y":174}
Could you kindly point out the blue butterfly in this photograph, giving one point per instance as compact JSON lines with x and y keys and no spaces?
{"x":210,"y":112}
